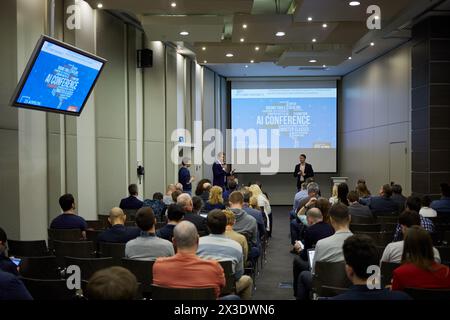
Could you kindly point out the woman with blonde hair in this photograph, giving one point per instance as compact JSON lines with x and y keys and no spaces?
{"x":334,"y":195}
{"x":215,"y":200}
{"x":263,"y":205}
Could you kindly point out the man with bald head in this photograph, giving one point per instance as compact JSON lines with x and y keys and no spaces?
{"x":185,"y":201}
{"x":118,"y":233}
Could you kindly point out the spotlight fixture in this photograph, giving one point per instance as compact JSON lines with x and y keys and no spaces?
{"x":252,"y":61}
{"x":204,"y":61}
{"x":349,"y":58}
{"x":184,"y":33}
{"x":100,"y":5}
{"x":257,"y":48}
{"x":324,"y":25}
{"x":229,"y":55}
{"x":203,"y":48}
{"x":309,"y":18}
{"x":242,"y":40}
{"x":313,"y":61}
{"x":324,"y":66}
{"x":280,"y":34}
{"x":314,"y":40}
{"x":354,"y":3}
{"x":173,"y":4}
{"x":244,"y":26}
{"x":372,"y":44}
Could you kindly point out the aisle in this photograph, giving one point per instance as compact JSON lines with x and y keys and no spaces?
{"x":278,"y":269}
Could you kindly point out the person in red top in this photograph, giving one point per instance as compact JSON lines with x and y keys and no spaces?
{"x":418,"y":269}
{"x":186,"y":269}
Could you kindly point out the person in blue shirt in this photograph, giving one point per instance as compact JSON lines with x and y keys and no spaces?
{"x":175,"y":214}
{"x":69,"y":219}
{"x":132,"y":202}
{"x":360,"y":253}
{"x":118,"y":233}
{"x":6,"y":264}
{"x":11,"y":288}
{"x":442,"y":205}
{"x":184,"y":176}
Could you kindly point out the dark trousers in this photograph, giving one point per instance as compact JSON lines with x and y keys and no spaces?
{"x":296,"y":230}
{"x":304,"y":285}
{"x":299,"y":265}
{"x":269,"y":234}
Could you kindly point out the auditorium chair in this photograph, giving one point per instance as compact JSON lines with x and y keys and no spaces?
{"x":104,"y":219}
{"x":143,"y":271}
{"x":130,"y":223}
{"x":63,"y":235}
{"x":89,"y":266}
{"x":91,"y":235}
{"x":365,"y":227}
{"x":44,"y":289}
{"x":387,"y":217}
{"x":230,"y":281}
{"x":114,"y":250}
{"x":163,"y":293}
{"x":444,"y":253}
{"x":40,"y":268}
{"x":95,"y":224}
{"x":387,"y":268}
{"x":380,"y":238}
{"x":329,"y":274}
{"x":428,"y":294}
{"x":389,"y":227}
{"x":78,"y":249}
{"x":380,"y":250}
{"x":130,"y":213}
{"x":35,"y":248}
{"x":362,"y":220}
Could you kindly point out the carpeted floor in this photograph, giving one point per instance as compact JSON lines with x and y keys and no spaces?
{"x":275,"y":279}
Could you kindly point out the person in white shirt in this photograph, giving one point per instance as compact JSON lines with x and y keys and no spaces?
{"x":262,"y":203}
{"x":426,"y":211}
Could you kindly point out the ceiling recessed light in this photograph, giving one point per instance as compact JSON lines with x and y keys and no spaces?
{"x":246,"y":66}
{"x":377,"y":17}
{"x":309,"y":18}
{"x":242,"y":40}
{"x":204,"y":61}
{"x":184,"y":33}
{"x":324,"y":25}
{"x":252,"y":61}
{"x":324,"y":66}
{"x":244,"y":26}
{"x":257,"y":48}
{"x":203,"y":48}
{"x":100,"y":5}
{"x":349,"y":58}
{"x":354,"y":3}
{"x":313,"y":61}
{"x":173,"y":4}
{"x":314,"y":40}
{"x":229,"y":55}
{"x":372,"y":44}
{"x":280,"y":34}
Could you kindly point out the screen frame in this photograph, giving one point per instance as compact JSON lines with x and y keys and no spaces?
{"x":26,"y":73}
{"x":338,"y":99}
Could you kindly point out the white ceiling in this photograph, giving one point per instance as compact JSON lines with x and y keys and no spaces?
{"x":216,"y":27}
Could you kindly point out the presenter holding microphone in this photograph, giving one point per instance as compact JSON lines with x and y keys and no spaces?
{"x":303,"y":171}
{"x":219,"y":171}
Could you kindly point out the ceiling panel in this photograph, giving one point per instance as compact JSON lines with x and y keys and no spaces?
{"x":302,"y":58}
{"x":216,"y":53}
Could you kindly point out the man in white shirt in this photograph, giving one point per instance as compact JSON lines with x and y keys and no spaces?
{"x":328,"y":249}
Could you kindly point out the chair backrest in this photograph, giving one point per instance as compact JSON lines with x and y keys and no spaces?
{"x":331,"y":274}
{"x":78,"y":249}
{"x":130,"y":224}
{"x":95,"y":224}
{"x":380,"y":238}
{"x":388,"y":227}
{"x":91,"y":235}
{"x":444,"y":253}
{"x":362,"y":220}
{"x":41,"y":289}
{"x":428,"y":294}
{"x":374,"y":227}
{"x":36,"y":248}
{"x":114,"y":250}
{"x":130,"y":213}
{"x":143,"y":271}
{"x":163,"y":293}
{"x":230,"y":281}
{"x":387,"y":268}
{"x":330,"y":291}
{"x":387,"y":218}
{"x":40,"y":268}
{"x":104,"y":219}
{"x":89,"y":266}
{"x":64,"y":234}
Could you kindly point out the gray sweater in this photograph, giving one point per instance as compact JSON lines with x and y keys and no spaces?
{"x":246,"y":223}
{"x":148,"y":247}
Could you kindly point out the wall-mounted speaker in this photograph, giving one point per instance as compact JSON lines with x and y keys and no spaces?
{"x":144,"y":58}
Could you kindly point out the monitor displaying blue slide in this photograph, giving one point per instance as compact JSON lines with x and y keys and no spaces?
{"x":304,"y":118}
{"x":58,"y":78}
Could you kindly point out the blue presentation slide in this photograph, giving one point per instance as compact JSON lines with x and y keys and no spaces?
{"x":305,"y":118}
{"x":60,"y":79}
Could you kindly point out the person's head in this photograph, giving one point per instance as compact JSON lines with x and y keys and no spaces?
{"x":133,"y":189}
{"x":3,"y":239}
{"x":445,"y":190}
{"x":170,"y":188}
{"x":197,"y":204}
{"x":418,"y":248}
{"x":386,"y":190}
{"x":302,"y":158}
{"x":334,"y":190}
{"x":145,"y":219}
{"x":175,"y":195}
{"x":221,"y":157}
{"x":67,"y":202}
{"x":179,"y":186}
{"x":343,"y":192}
{"x":232,"y":185}
{"x":413,"y":203}
{"x":304,"y":186}
{"x":396,"y":189}
{"x":361,"y":188}
{"x":253,"y":202}
{"x":215,"y":195}
{"x":200,"y":186}
{"x":426,"y":201}
{"x":352,"y":197}
{"x":175,"y":212}
{"x":247,"y":194}
{"x":185,"y":237}
{"x":236,"y":200}
{"x":216,"y":221}
{"x":407,"y":219}
{"x":231,"y":219}
{"x":114,"y":283}
{"x":255,"y":190}
{"x":185,"y":201}
{"x":339,"y":216}
{"x":313,"y":189}
{"x":186,"y":162}
{"x":360,"y":252}
{"x":313,"y":216}
{"x":207,"y":186}
{"x":158,"y":196}
{"x":324,"y":206}
{"x":116,"y":216}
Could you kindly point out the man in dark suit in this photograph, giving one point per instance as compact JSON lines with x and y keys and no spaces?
{"x":356,"y":209}
{"x":132,"y":202}
{"x":383,"y":203}
{"x":398,"y":197}
{"x":185,"y":201}
{"x":303,"y":171}
{"x":219,"y":172}
{"x":118,"y":233}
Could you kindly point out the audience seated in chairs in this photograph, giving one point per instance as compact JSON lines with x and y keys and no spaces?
{"x":147,"y":246}
{"x":132,"y":202}
{"x":414,"y":204}
{"x":69,"y":219}
{"x":157,"y":204}
{"x":296,"y":225}
{"x":253,"y":212}
{"x":186,"y":269}
{"x":233,"y":235}
{"x":232,"y":186}
{"x":384,"y":202}
{"x":118,"y":233}
{"x":419,"y":268}
{"x":6,"y":264}
{"x":425,"y":210}
{"x":263,"y":205}
{"x":12,"y":288}
{"x":197,"y":205}
{"x":356,"y":209}
{"x":363,"y":192}
{"x":218,"y":247}
{"x":175,"y":214}
{"x":393,"y":251}
{"x":215,"y":200}
{"x":185,"y":201}
{"x":360,"y":253}
{"x":442,"y":205}
{"x":398,"y":197}
{"x":342,"y":193}
{"x":114,"y":283}
{"x":167,"y":199}
{"x":299,"y":196}
{"x":328,"y":249}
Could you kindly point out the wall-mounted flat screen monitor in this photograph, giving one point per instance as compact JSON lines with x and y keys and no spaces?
{"x":58,"y":78}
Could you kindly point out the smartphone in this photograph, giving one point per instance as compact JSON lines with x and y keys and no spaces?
{"x":16,"y":261}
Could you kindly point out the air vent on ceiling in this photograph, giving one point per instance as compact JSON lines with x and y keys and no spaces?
{"x":312,"y":68}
